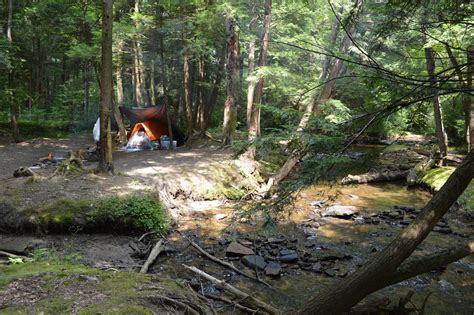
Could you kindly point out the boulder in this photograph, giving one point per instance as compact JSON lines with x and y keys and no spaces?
{"x":340,"y":211}
{"x":273,"y":269}
{"x":236,"y":250}
{"x":289,"y":258}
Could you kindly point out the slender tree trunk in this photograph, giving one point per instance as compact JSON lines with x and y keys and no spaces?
{"x":337,"y":66}
{"x":232,"y":84}
{"x":153,"y":99}
{"x":119,"y":120}
{"x":199,"y":110}
{"x":254,"y":126}
{"x":13,"y":105}
{"x":106,"y":88}
{"x":215,"y":92}
{"x":188,"y":106}
{"x":251,"y":67}
{"x":379,"y":271}
{"x":332,"y":44}
{"x":118,"y":73}
{"x":440,"y":131}
{"x":469,"y":100}
{"x":137,"y":83}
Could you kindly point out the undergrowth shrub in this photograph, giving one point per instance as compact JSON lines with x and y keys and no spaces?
{"x":131,"y":213}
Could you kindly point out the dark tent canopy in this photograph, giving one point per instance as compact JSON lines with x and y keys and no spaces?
{"x":153,"y":115}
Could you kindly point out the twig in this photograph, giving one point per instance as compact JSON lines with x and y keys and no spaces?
{"x":226,"y":264}
{"x":146,"y":234}
{"x":157,"y":249}
{"x":233,"y":303}
{"x":188,"y":309}
{"x":237,"y":292}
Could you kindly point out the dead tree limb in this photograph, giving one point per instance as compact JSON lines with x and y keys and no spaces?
{"x":374,"y":177}
{"x":157,"y":249}
{"x":233,"y":303}
{"x":162,"y":298}
{"x":254,"y":302}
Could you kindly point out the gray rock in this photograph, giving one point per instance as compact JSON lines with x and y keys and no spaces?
{"x":236,"y":250}
{"x":273,"y":269}
{"x":340,"y":211}
{"x":289,"y":258}
{"x":330,"y":272}
{"x":254,"y":261}
{"x":284,"y":252}
{"x":317,"y":267}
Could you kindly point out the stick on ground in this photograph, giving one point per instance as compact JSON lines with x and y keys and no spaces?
{"x":157,"y":249}
{"x":254,"y":302}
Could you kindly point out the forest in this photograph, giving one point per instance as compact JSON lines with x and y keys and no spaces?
{"x":236,"y":156}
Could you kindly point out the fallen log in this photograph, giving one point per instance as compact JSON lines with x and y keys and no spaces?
{"x":374,"y":177}
{"x":245,"y":297}
{"x":157,"y":249}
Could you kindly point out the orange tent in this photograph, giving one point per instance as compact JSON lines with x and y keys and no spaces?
{"x":152,"y":129}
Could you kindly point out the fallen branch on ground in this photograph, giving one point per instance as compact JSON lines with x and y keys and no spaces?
{"x":225,"y":264}
{"x":233,"y":303}
{"x":157,"y":249}
{"x":187,"y":308}
{"x":10,"y":255}
{"x":254,"y":302}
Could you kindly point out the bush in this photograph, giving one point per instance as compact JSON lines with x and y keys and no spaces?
{"x":131,"y":213}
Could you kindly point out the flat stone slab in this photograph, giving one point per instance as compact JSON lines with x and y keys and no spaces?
{"x":340,"y":211}
{"x":20,"y":244}
{"x":236,"y":250}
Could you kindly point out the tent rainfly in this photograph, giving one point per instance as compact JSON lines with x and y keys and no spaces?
{"x":153,"y":121}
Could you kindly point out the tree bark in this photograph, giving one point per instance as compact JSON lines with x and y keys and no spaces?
{"x":13,"y":105}
{"x":232,"y":84}
{"x":188,"y":106}
{"x":106,"y":88}
{"x":438,"y":113}
{"x":118,"y":73}
{"x":469,"y":100}
{"x":254,"y":121}
{"x":251,"y":67}
{"x":332,"y":44}
{"x":211,"y":103}
{"x":379,"y":270}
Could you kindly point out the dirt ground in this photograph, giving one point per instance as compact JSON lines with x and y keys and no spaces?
{"x":205,"y":172}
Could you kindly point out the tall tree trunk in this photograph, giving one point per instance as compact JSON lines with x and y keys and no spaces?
{"x":13,"y":105}
{"x":332,"y":44}
{"x":233,"y":79}
{"x":254,"y":125}
{"x":379,"y":271}
{"x":337,"y":66}
{"x":211,"y":103}
{"x":106,"y":88}
{"x":188,"y":106}
{"x":199,"y":110}
{"x":118,"y":73}
{"x":440,"y":131}
{"x":469,"y":100}
{"x":251,"y":67}
{"x":137,"y":83}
